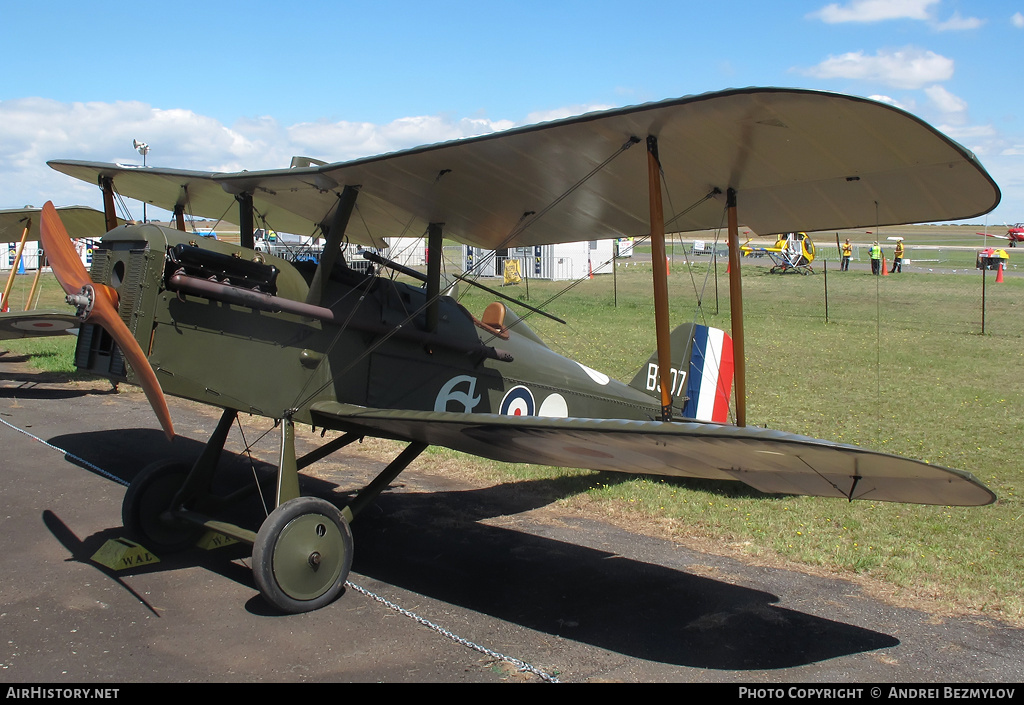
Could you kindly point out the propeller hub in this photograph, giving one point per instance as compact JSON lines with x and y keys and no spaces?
{"x":83,"y":301}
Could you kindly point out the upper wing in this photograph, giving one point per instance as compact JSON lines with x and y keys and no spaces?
{"x":770,"y":461}
{"x":798,"y":160}
{"x":81,"y":222}
{"x":212,"y":195}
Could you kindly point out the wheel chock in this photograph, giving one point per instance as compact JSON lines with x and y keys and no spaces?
{"x":119,"y":554}
{"x":214,"y":539}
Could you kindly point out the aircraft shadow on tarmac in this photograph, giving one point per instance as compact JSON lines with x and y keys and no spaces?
{"x":28,"y":387}
{"x":434,"y":544}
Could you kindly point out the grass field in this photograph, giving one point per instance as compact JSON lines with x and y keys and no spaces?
{"x":901,"y":365}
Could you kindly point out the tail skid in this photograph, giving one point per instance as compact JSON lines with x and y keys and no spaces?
{"x":702,"y":383}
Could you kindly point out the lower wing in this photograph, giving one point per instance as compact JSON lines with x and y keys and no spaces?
{"x":769,"y":461}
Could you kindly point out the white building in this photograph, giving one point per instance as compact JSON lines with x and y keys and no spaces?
{"x":569,"y":260}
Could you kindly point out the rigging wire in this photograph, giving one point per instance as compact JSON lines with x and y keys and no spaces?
{"x":534,"y":216}
{"x":641,"y":239}
{"x":121,"y":205}
{"x":519,"y":228}
{"x":878,"y":342}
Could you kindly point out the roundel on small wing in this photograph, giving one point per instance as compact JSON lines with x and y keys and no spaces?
{"x":518,"y":401}
{"x":35,"y":325}
{"x":42,"y":325}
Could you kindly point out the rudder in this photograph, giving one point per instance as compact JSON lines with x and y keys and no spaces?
{"x":702,"y":389}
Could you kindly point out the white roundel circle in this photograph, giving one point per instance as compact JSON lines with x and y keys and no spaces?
{"x":518,"y":401}
{"x":37,"y":325}
{"x":554,"y":407}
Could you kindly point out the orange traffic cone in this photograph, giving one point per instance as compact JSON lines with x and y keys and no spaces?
{"x":999,"y":275}
{"x":885,"y":270}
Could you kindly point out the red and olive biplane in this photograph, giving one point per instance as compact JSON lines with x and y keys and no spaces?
{"x":1014,"y":233}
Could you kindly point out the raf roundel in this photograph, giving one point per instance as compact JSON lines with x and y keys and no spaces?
{"x":518,"y":401}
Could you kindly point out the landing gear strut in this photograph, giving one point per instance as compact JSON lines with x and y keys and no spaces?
{"x":302,"y":553}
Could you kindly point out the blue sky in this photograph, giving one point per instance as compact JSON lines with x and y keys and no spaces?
{"x":224,"y":85}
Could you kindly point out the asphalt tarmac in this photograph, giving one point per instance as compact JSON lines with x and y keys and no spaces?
{"x":451,"y":583}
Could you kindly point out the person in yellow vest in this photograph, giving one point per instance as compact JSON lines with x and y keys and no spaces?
{"x":876,"y":258}
{"x":847,"y":254}
{"x":897,"y":258}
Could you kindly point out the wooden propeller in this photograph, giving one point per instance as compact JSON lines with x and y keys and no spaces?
{"x":99,"y":303}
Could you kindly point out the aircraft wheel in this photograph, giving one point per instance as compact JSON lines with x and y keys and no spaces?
{"x":302,"y":555}
{"x":148,"y":497}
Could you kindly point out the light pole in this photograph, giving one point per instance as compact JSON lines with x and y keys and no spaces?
{"x":143,"y":150}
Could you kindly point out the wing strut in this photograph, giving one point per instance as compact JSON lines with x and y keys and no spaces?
{"x":179,"y":216}
{"x":659,"y":261}
{"x":736,"y":310}
{"x":246,"y":225}
{"x":109,"y":212}
{"x":14,"y":267}
{"x":434,"y":232}
{"x":332,"y":248}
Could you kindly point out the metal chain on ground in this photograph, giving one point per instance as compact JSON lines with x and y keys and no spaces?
{"x":74,"y":457}
{"x":520,"y":665}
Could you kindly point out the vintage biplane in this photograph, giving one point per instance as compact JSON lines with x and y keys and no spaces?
{"x":1014,"y":233}
{"x":792,"y":252}
{"x":21,"y":225}
{"x":370,"y":356}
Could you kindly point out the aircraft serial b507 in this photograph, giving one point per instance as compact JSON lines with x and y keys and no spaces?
{"x":194,"y":317}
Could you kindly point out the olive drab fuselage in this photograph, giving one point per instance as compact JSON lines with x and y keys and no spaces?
{"x":376,"y":351}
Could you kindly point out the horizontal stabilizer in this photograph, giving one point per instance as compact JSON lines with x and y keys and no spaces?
{"x":32,"y":324}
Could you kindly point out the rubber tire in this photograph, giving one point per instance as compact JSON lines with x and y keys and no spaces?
{"x":149,"y":494}
{"x":284,"y":545}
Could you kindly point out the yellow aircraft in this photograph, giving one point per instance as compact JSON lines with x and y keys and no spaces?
{"x":792,"y":252}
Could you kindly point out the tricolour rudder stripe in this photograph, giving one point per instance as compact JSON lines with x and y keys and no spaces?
{"x":695,"y":372}
{"x":726,"y":369}
{"x":710,"y":375}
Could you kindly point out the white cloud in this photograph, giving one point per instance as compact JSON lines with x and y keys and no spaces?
{"x":891,"y":101}
{"x":874,"y":11}
{"x":958,"y":23}
{"x":952,"y":107}
{"x":1017,"y":20}
{"x":564,"y":112}
{"x":340,"y":141}
{"x":883,"y":10}
{"x":908,"y":68}
{"x":34,"y":130}
{"x":970,"y":132}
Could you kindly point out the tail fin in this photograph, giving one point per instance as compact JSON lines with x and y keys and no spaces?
{"x":702,"y":384}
